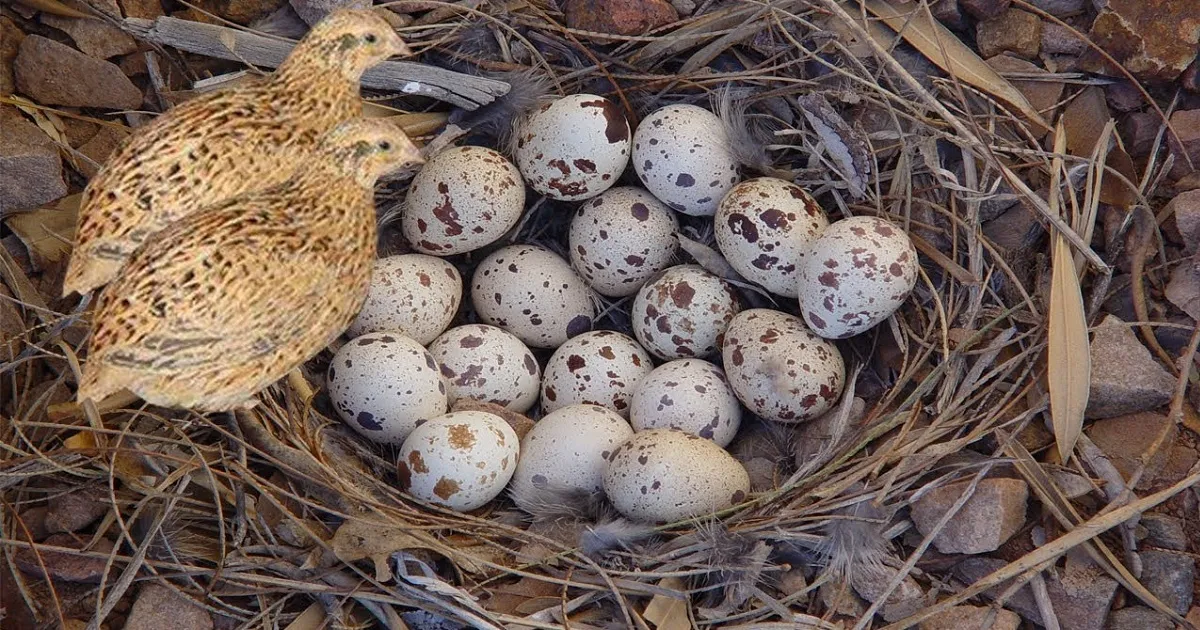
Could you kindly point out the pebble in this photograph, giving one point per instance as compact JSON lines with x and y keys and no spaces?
{"x":68,"y":567}
{"x":1060,"y":40}
{"x":1138,"y":131}
{"x":1155,"y":40}
{"x":1169,"y":576}
{"x":1163,"y":530}
{"x":1043,"y":95}
{"x":1138,"y":618}
{"x":618,"y":17}
{"x":1081,"y":595}
{"x":973,"y":569}
{"x":1123,"y":96}
{"x":950,"y":13}
{"x":1125,"y":378}
{"x":56,"y":74}
{"x":870,"y":582}
{"x":93,"y":36}
{"x":145,"y":9}
{"x":76,"y":510}
{"x":1185,"y":207}
{"x":1059,"y":8}
{"x":1130,"y":440}
{"x":99,"y":147}
{"x":160,"y":607}
{"x":989,"y":518}
{"x":1014,"y":31}
{"x":313,"y":11}
{"x":30,"y":166}
{"x":985,"y":9}
{"x":1186,"y":124}
{"x":961,"y":617}
{"x":10,"y":42}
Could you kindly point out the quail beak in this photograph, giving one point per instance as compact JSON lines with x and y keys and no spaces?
{"x":397,"y":47}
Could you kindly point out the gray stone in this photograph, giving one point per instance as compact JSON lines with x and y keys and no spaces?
{"x":1169,"y":576}
{"x":75,"y":510}
{"x":313,"y":11}
{"x":950,"y":13}
{"x":870,"y":582}
{"x":985,"y":9}
{"x":1186,"y":209}
{"x":1164,"y":531}
{"x":963,"y":617}
{"x":1125,"y":378}
{"x":94,"y":36}
{"x":56,"y":74}
{"x":973,"y":569}
{"x":30,"y":166}
{"x":1059,"y":8}
{"x":989,"y":518}
{"x":160,"y":607}
{"x":10,"y":42}
{"x":1081,"y":595}
{"x":1060,"y":40}
{"x":1138,"y":618}
{"x":1135,"y":441}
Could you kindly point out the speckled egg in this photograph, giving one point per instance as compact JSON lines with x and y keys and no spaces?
{"x":411,"y":294}
{"x":764,"y":227}
{"x":382,"y":384}
{"x":856,"y":275}
{"x":690,"y":395}
{"x":682,"y":155}
{"x":682,"y":313}
{"x":599,"y":368}
{"x":621,"y":238}
{"x":574,"y":148}
{"x":488,"y":364}
{"x":532,"y":293}
{"x":567,"y":449}
{"x":778,"y":368}
{"x":460,"y":460}
{"x":464,"y":198}
{"x":666,"y":475}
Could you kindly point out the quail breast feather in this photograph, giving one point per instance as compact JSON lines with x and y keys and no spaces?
{"x":226,"y":301}
{"x":226,"y":143}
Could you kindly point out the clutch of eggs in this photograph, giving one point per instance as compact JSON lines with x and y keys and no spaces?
{"x":642,"y":418}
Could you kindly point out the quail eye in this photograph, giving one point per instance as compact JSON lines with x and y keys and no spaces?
{"x":370,"y":38}
{"x":384,"y":145}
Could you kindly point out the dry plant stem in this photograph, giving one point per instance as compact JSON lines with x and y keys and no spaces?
{"x":1145,"y":231}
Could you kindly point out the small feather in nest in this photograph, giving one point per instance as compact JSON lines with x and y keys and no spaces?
{"x":709,"y":258}
{"x":601,"y":529}
{"x":845,"y":146}
{"x":748,"y":135}
{"x":854,"y":539}
{"x":496,"y":119}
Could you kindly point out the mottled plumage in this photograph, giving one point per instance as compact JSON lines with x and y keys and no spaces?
{"x":223,"y":144}
{"x":226,"y":301}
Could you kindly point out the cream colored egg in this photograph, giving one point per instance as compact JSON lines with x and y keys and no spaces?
{"x":599,"y":368}
{"x":691,"y":395}
{"x":779,"y":369}
{"x":856,"y":275}
{"x":488,"y":364}
{"x":681,"y":313}
{"x":382,"y":384}
{"x":460,"y":460}
{"x":683,"y":156}
{"x":464,"y":198}
{"x":574,"y":148}
{"x":620,"y":239}
{"x":532,"y":293}
{"x":411,"y":294}
{"x":567,"y":449}
{"x":764,"y":227}
{"x":666,"y":475}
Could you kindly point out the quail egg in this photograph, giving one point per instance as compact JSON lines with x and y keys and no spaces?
{"x":567,"y":450}
{"x":382,"y":384}
{"x":463,"y":199}
{"x":488,"y":364}
{"x":574,"y":148}
{"x":778,"y":368}
{"x":411,"y":294}
{"x":682,"y":313}
{"x":532,"y":293}
{"x":599,"y":368}
{"x":621,"y":238}
{"x":665,"y":475}
{"x":683,"y":156}
{"x":460,"y":460}
{"x":764,"y":227}
{"x":690,"y":395}
{"x":855,"y":275}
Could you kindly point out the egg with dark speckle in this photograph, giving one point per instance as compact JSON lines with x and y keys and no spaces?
{"x":382,"y":384}
{"x":683,"y":156}
{"x":532,"y":293}
{"x":411,"y":294}
{"x":599,"y":368}
{"x":690,"y":395}
{"x":620,"y":239}
{"x":488,"y":364}
{"x":460,"y":460}
{"x":682,"y":313}
{"x":573,"y":148}
{"x":666,"y":475}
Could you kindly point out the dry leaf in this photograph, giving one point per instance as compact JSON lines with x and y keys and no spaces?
{"x":358,"y":539}
{"x":669,"y":613}
{"x":1184,"y":289}
{"x":1085,"y":120}
{"x":49,"y":231}
{"x":313,"y":618}
{"x":1069,"y":356}
{"x":946,"y":51}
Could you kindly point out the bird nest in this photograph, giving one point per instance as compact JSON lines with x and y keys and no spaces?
{"x":279,"y":515}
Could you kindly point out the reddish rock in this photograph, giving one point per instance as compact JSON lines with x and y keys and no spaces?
{"x":989,"y":518}
{"x":984,"y":9}
{"x":1131,"y":440}
{"x":950,"y":13}
{"x":961,"y":617}
{"x":1125,"y":378}
{"x":10,"y":42}
{"x":99,"y":147}
{"x":1124,"y":96}
{"x":76,"y":510}
{"x":1060,"y":40}
{"x":68,"y":567}
{"x":145,"y":9}
{"x":1013,"y":31}
{"x":1081,"y":594}
{"x":1186,"y":124}
{"x":94,"y":36}
{"x":1185,"y":207}
{"x":1138,"y":132}
{"x":1156,"y":40}
{"x":619,"y":17}
{"x":1043,"y":95}
{"x":30,"y":167}
{"x":159,"y":607}
{"x":56,"y":74}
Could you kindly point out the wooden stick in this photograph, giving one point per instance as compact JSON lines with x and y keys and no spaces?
{"x":464,"y":90}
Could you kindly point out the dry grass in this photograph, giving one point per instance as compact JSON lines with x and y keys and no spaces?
{"x":265,"y":515}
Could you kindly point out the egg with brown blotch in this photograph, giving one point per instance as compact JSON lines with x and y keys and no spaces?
{"x":567,"y":450}
{"x":573,"y":148}
{"x":620,"y":239}
{"x":691,"y":395}
{"x":682,"y":313}
{"x":411,"y":294}
{"x":683,"y":156}
{"x":487,"y":364}
{"x":599,"y":368}
{"x":460,"y":460}
{"x":532,"y":293}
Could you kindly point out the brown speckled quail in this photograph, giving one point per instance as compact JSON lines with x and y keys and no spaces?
{"x":223,"y":144}
{"x":226,"y":301}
